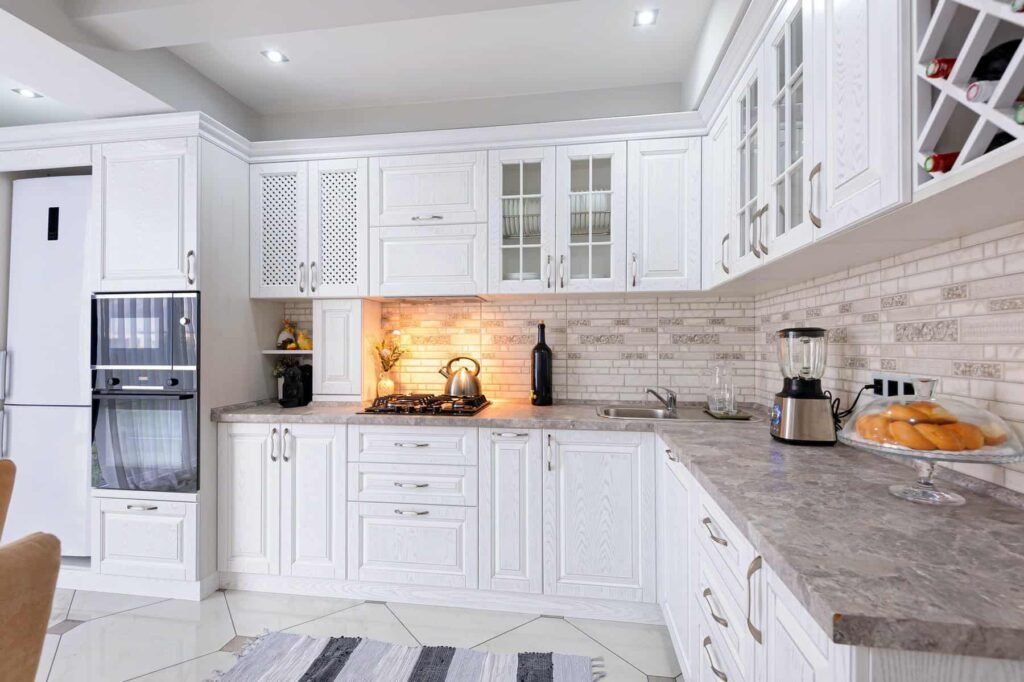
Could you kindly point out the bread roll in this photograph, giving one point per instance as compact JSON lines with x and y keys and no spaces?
{"x":994,"y":435}
{"x":942,"y":438}
{"x":904,"y":413}
{"x":874,"y":427}
{"x":969,"y":434}
{"x":907,"y":435}
{"x":934,"y":412}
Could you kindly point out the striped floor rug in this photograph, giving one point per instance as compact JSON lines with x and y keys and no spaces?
{"x":282,"y":657}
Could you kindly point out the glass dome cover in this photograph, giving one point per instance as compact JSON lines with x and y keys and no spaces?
{"x":802,"y":351}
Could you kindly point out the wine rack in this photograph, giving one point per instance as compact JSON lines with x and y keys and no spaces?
{"x":946,"y":120}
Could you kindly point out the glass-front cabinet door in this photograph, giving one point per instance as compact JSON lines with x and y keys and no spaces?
{"x":750,"y":207}
{"x":787,"y":224}
{"x":521,"y":221}
{"x":591,"y":217}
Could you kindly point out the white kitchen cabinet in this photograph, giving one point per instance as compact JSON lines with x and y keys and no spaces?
{"x":591,"y":217}
{"x":428,"y":260}
{"x":677,"y":554}
{"x":413,"y":444}
{"x":749,"y":205}
{"x":413,"y":544}
{"x":663,"y":221}
{"x":511,"y":509}
{"x":341,"y":330}
{"x":313,"y":500}
{"x":599,"y":516}
{"x":795,"y":647}
{"x":145,"y":198}
{"x":863,"y":49}
{"x":144,"y":538}
{"x":718,"y":184}
{"x":309,"y":229}
{"x":428,"y":189}
{"x":281,"y":499}
{"x":791,"y":107}
{"x":521,"y":224}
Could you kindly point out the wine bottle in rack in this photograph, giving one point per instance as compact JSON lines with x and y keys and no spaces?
{"x":1018,"y":110}
{"x":1017,"y":5}
{"x":990,"y":70}
{"x":940,"y":67}
{"x":940,"y":163}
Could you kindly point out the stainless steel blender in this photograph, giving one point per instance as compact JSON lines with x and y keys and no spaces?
{"x":802,"y":412}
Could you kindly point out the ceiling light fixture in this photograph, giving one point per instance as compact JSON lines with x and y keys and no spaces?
{"x":27,"y":93}
{"x":275,"y":56}
{"x":645,"y":17}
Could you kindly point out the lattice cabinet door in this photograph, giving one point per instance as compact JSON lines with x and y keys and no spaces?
{"x":338,"y":228}
{"x":278,"y":196}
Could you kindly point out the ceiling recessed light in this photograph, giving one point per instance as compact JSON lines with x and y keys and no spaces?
{"x":275,"y":56}
{"x":27,"y":93}
{"x":645,"y":17}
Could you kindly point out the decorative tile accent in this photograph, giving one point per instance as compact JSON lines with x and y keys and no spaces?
{"x":897,"y":301}
{"x":813,"y":312}
{"x":716,"y":321}
{"x":978,"y":370}
{"x":1004,"y":304}
{"x":633,"y":356}
{"x":621,"y":322}
{"x":855,"y":363}
{"x":954,"y":293}
{"x":579,"y":322}
{"x":694,"y":339}
{"x":845,"y":308}
{"x":928,"y":332}
{"x":869,"y":317}
{"x":602,"y":339}
{"x":514,"y":340}
{"x":729,"y":356}
{"x":888,"y":364}
{"x":837,"y":335}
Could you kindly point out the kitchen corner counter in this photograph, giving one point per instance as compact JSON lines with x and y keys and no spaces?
{"x":871,"y":569}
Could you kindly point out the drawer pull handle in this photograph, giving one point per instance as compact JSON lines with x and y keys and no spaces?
{"x":711,"y":609}
{"x":399,"y":484}
{"x":720,"y":674}
{"x":755,"y":566}
{"x":412,"y":445}
{"x":671,"y":456}
{"x":142,"y":507}
{"x":418,"y":218}
{"x":711,"y":532}
{"x":409,"y":512}
{"x":510,"y":435}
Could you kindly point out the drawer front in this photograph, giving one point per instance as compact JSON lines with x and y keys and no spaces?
{"x":725,"y":617}
{"x":725,"y":545}
{"x":428,"y":261}
{"x":412,"y":483}
{"x":713,"y":662}
{"x":416,"y":445}
{"x":428,"y":189}
{"x":413,"y":544}
{"x":145,"y":538}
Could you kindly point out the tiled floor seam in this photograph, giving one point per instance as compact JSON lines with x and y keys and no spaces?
{"x":404,"y":626}
{"x":489,"y":639}
{"x":56,"y":649}
{"x":608,"y":648}
{"x":172,"y":665}
{"x":231,"y":616}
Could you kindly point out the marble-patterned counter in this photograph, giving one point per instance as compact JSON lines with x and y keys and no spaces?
{"x":872,"y":570}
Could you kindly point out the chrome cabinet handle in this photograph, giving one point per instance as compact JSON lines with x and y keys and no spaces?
{"x":312,"y":276}
{"x":142,"y":507}
{"x":754,"y":567}
{"x":547,"y":271}
{"x":711,"y":608}
{"x":273,"y":445}
{"x":190,"y":260}
{"x":711,"y":532}
{"x":284,"y":445}
{"x":815,"y":220}
{"x":184,"y":321}
{"x":724,"y":252}
{"x":4,"y":367}
{"x":302,"y":277}
{"x":760,"y":230}
{"x":506,"y":434}
{"x":720,"y":674}
{"x":412,"y":445}
{"x":402,"y":512}
{"x":549,"y":452}
{"x":561,"y":271}
{"x":417,"y":218}
{"x":755,"y":236}
{"x":634,"y":269}
{"x":399,"y":484}
{"x":670,"y":455}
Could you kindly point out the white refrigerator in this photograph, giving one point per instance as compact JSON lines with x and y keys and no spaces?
{"x":47,"y":407}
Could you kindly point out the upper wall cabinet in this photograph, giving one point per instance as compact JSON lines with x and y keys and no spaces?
{"x":309,"y":232}
{"x":521,"y":225}
{"x":749,"y":205}
{"x":663,"y":220}
{"x":591,"y":217}
{"x":428,"y":189}
{"x":863,"y":51}
{"x":146,"y":200}
{"x":717,"y":206}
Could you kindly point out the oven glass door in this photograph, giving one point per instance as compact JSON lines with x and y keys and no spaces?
{"x":134,"y":331}
{"x":146,"y":442}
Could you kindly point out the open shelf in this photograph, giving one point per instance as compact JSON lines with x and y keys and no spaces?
{"x":945,"y":120}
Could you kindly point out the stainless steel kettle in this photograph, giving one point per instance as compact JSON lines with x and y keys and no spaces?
{"x":461,"y":382}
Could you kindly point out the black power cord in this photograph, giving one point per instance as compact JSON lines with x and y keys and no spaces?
{"x":839,"y":415}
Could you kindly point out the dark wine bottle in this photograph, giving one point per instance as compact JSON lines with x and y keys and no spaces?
{"x":540,"y":371}
{"x":993,"y":63}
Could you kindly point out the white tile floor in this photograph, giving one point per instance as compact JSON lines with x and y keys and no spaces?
{"x":101,"y":637}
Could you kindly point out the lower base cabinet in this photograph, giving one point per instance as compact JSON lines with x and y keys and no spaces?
{"x":281,"y":503}
{"x":676,"y":509}
{"x":144,"y":538}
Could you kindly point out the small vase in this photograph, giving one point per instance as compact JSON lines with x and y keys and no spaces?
{"x":385,"y":384}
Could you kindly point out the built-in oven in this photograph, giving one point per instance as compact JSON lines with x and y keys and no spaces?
{"x":145,"y":399}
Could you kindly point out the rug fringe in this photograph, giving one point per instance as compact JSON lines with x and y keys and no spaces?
{"x":246,"y":650}
{"x":597,"y":669}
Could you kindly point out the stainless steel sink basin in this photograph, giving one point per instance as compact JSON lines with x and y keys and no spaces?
{"x":628,"y":412}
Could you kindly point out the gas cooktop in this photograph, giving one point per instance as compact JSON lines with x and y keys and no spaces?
{"x":427,"y":404}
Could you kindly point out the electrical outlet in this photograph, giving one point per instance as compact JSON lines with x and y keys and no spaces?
{"x":888,"y":384}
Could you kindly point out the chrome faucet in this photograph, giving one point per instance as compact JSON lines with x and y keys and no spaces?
{"x":669,"y":402}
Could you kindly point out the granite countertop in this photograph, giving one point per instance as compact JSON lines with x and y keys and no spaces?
{"x":871,"y":569}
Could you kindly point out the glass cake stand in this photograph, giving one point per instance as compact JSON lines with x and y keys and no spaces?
{"x":928,"y":431}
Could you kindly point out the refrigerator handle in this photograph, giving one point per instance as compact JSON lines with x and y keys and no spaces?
{"x":3,"y":433}
{"x":5,"y":369}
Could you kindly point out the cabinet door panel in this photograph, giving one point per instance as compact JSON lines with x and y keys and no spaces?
{"x":717,"y":189}
{"x":278,"y":206}
{"x":663,"y":224}
{"x":313,"y":500}
{"x":248,"y":505}
{"x":749,"y":204}
{"x":510,"y":511}
{"x":147,"y":209}
{"x":428,"y":261}
{"x":599,"y":515}
{"x":338,"y":229}
{"x":145,"y":538}
{"x":796,"y":648}
{"x":677,"y":558}
{"x":337,"y":348}
{"x":428,"y":189}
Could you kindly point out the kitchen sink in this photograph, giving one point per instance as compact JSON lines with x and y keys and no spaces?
{"x":658,"y":413}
